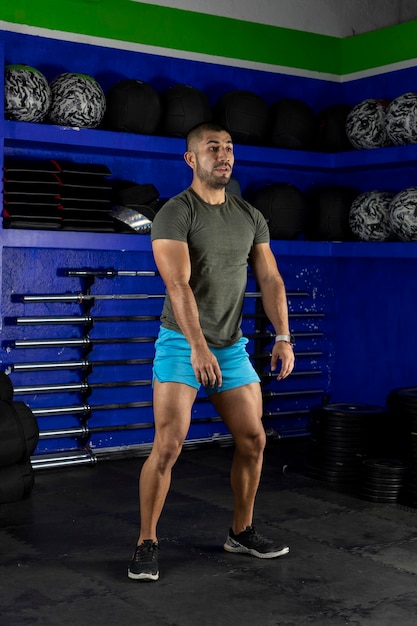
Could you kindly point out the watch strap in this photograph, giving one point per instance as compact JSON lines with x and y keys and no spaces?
{"x":287,"y":338}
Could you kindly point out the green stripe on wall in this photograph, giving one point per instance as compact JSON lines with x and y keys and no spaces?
{"x":395,"y":44}
{"x":192,"y":32}
{"x":180,"y":30}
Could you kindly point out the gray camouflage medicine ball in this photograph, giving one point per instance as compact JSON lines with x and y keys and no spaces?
{"x":403,"y":214}
{"x":27,"y":95}
{"x":77,"y":100}
{"x":366,"y":125}
{"x":401,"y":119}
{"x":369,"y":216}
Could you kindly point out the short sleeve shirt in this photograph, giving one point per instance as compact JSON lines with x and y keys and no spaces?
{"x":220,"y":239}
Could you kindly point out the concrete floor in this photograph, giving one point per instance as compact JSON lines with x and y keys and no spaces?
{"x":65,"y":550}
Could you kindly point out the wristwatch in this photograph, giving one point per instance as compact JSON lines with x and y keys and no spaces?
{"x":288,"y":338}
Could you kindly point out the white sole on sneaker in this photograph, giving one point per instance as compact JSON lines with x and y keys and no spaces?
{"x":142,"y":576}
{"x":234,"y":546}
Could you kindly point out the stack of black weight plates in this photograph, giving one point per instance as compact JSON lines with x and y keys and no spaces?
{"x":402,"y":403}
{"x":19,"y":436}
{"x":383,"y":479}
{"x":56,"y":195}
{"x":340,"y":441}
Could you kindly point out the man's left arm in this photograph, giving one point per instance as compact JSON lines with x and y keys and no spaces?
{"x":274,"y":300}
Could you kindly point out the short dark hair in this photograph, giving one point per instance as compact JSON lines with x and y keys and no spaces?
{"x":196,"y":133}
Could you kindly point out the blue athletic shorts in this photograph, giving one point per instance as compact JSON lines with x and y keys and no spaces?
{"x":172,"y":362}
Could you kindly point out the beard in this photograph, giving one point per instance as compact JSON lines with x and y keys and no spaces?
{"x":213,"y":180}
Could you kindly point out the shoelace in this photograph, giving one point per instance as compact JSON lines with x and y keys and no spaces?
{"x":255,"y":536}
{"x":147,"y":552}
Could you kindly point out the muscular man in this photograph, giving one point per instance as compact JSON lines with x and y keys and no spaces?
{"x":203,"y":240}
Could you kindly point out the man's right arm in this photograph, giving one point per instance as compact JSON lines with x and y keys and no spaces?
{"x":173,"y":262}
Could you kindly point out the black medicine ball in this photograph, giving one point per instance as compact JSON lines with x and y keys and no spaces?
{"x":244,"y":114}
{"x":133,"y":106}
{"x":284,"y":208}
{"x":183,"y":107}
{"x":329,"y":213}
{"x":331,"y":129}
{"x":293,"y":124}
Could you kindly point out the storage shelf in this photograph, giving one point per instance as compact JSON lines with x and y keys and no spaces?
{"x":389,"y":157}
{"x":74,"y":240}
{"x":49,"y":138}
{"x":20,"y":134}
{"x":19,"y":238}
{"x":345,"y":249}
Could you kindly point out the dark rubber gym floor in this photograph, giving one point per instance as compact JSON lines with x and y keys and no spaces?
{"x":65,"y":550}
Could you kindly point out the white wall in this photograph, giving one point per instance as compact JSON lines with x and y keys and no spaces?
{"x":340,"y":18}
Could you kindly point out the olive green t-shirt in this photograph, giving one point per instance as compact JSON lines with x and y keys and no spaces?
{"x":220,"y":238}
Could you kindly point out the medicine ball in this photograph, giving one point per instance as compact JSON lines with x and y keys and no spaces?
{"x":366,"y":124}
{"x":401,"y":119}
{"x":27,"y":95}
{"x":292,"y":124}
{"x":403,"y":214}
{"x":19,"y":432}
{"x":133,"y":107}
{"x":329,"y":213}
{"x":284,"y":208}
{"x":331,"y":129}
{"x":369,"y":216}
{"x":6,"y":387}
{"x":77,"y":100}
{"x":183,"y":107}
{"x":244,"y":114}
{"x":16,"y":481}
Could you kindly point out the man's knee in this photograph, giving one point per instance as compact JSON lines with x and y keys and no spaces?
{"x":251,"y":444}
{"x":165,"y":455}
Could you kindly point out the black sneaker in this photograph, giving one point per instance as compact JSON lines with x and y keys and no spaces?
{"x":251,"y":542}
{"x":144,"y":564}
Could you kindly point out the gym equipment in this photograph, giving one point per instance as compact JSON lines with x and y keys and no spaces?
{"x":133,"y":106}
{"x":331,"y":129}
{"x":27,"y":95}
{"x":81,"y":342}
{"x":19,"y":432}
{"x":134,"y":206}
{"x":136,"y":220}
{"x":329,"y":213}
{"x":82,"y":386}
{"x":79,"y":319}
{"x":16,"y":482}
{"x":244,"y":114}
{"x":183,"y":107}
{"x":57,"y":195}
{"x":77,"y":100}
{"x":401,"y":119}
{"x":6,"y":387}
{"x":108,"y":272}
{"x":369,"y":216}
{"x":293,"y":124}
{"x":284,"y":208}
{"x":86,"y":297}
{"x":383,"y":479}
{"x":342,"y":434}
{"x":366,"y":124}
{"x":403,"y":214}
{"x":81,"y":364}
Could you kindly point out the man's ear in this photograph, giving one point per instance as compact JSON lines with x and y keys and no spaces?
{"x":189,"y":158}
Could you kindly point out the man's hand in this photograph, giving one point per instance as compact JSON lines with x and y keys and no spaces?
{"x":206,"y":367}
{"x":282,"y":351}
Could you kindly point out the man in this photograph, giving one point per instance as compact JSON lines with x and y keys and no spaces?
{"x":202,"y":241}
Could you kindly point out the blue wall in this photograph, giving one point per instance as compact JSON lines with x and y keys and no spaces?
{"x":352,"y":304}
